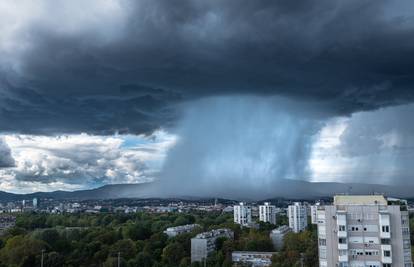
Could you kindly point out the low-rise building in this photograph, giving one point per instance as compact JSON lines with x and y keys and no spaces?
{"x":252,"y":258}
{"x":205,"y":243}
{"x":177,"y":230}
{"x":6,"y":222}
{"x":277,"y":236}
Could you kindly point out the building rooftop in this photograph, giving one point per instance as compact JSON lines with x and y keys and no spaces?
{"x":281,"y":229}
{"x":182,"y":227}
{"x":214,"y":233}
{"x":253,"y":252}
{"x":359,"y":200}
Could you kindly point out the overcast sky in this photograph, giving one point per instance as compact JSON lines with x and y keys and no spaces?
{"x":211,"y":92}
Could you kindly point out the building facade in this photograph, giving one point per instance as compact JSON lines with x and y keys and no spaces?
{"x":205,"y":243}
{"x":277,"y":236}
{"x":267,"y":213}
{"x":298,"y":218}
{"x":361,"y":231}
{"x":242,"y":214}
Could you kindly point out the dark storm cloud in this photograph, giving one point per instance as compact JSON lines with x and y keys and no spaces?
{"x":134,"y":109}
{"x":344,"y":56}
{"x":6,"y":159}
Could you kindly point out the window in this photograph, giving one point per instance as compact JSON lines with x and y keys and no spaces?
{"x":386,"y":265}
{"x":341,"y":227}
{"x":385,"y":228}
{"x":342,"y":240}
{"x":387,"y":253}
{"x":405,"y":231}
{"x":343,"y":252}
{"x":371,"y":252}
{"x":385,"y":241}
{"x":322,"y":242}
{"x":322,"y":253}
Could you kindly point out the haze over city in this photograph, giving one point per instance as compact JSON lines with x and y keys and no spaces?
{"x":205,"y":97}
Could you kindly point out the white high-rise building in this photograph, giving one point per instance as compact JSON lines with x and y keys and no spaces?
{"x":363,"y":231}
{"x":314,"y":209}
{"x":35,"y":203}
{"x":267,"y":213}
{"x":298,"y":219}
{"x":242,"y":214}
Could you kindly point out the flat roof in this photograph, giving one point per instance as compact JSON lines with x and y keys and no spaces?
{"x":359,"y":200}
{"x":254,"y":252}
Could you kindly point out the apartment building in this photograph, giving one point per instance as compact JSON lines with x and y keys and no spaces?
{"x":277,"y":236}
{"x":313,"y":213}
{"x":205,"y":243}
{"x":177,"y":230}
{"x":242,"y":214}
{"x":363,"y":231}
{"x":298,"y":219}
{"x":252,"y":258}
{"x":267,"y":213}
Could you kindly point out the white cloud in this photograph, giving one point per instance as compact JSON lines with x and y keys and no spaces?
{"x":82,"y":161}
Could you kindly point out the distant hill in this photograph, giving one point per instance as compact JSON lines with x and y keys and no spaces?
{"x":103,"y":192}
{"x":285,"y":188}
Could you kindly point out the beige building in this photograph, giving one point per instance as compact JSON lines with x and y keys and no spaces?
{"x":363,"y":231}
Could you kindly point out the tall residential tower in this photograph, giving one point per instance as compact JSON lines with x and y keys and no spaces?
{"x":242,"y":214}
{"x":298,"y":219}
{"x":267,"y":213}
{"x":363,"y":231}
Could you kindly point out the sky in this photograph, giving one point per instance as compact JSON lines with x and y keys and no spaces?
{"x":203,"y":95}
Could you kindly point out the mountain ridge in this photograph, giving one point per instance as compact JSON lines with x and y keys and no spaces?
{"x":285,"y":189}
